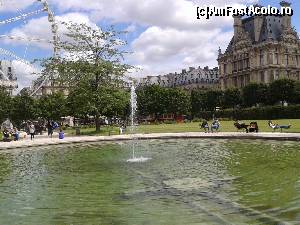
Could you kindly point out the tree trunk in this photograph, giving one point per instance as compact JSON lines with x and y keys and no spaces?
{"x":97,"y":118}
{"x":97,"y":122}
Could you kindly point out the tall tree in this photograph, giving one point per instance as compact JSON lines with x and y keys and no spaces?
{"x":151,"y":100}
{"x":24,"y":108}
{"x":282,"y":90}
{"x":5,"y":104}
{"x":254,"y":93}
{"x":52,"y":107}
{"x":231,"y":98}
{"x":94,"y":62}
{"x":177,"y":101}
{"x":296,"y":98}
{"x":205,"y":100}
{"x":106,"y":101}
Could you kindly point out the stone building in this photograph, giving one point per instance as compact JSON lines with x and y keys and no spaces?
{"x":8,"y":78}
{"x":263,"y":49}
{"x":193,"y":78}
{"x":40,"y":87}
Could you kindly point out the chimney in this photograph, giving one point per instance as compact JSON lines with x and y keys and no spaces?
{"x":237,"y":25}
{"x":286,"y":19}
{"x":191,"y":69}
{"x":258,"y":22}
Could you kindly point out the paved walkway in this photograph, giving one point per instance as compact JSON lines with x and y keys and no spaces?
{"x":45,"y":141}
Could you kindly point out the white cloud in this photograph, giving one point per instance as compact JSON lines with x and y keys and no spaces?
{"x":40,"y":28}
{"x":25,"y":73}
{"x":13,"y":5}
{"x":173,"y":38}
{"x":179,"y":14}
{"x":159,"y":49}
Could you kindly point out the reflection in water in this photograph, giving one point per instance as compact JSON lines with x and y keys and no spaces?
{"x":186,"y":182}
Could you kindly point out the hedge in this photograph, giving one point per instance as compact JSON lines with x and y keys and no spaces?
{"x":258,"y":113}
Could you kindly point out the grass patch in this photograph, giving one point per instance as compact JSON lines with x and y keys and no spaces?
{"x":91,"y":131}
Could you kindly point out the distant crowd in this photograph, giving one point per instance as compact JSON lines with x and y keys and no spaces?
{"x":11,"y":133}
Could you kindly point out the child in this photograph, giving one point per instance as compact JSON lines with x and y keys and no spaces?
{"x":16,"y":134}
{"x":61,"y":134}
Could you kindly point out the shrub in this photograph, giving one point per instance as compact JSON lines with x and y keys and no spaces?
{"x":258,"y":113}
{"x":197,"y":120}
{"x":169,"y":122}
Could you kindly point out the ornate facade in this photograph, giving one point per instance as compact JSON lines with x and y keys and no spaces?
{"x":8,"y":78}
{"x":51,"y":86}
{"x":194,"y":78}
{"x":263,"y":49}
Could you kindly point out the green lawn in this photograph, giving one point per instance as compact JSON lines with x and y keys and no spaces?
{"x":226,"y":126}
{"x":105,"y":131}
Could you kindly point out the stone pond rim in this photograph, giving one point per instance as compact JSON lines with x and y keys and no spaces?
{"x":190,"y":135}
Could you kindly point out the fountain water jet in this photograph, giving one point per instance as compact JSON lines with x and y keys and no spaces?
{"x":133,"y":104}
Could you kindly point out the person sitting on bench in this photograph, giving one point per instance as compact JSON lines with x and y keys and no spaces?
{"x":6,"y":135}
{"x":241,"y":125}
{"x":215,"y":126}
{"x":205,"y":126}
{"x":253,"y":127}
{"x":277,"y":126}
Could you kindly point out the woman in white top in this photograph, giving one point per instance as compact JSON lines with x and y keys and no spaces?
{"x":31,"y":131}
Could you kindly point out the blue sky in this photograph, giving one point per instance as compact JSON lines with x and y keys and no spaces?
{"x":164,"y":36}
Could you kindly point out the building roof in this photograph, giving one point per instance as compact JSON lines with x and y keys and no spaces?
{"x":271,"y":29}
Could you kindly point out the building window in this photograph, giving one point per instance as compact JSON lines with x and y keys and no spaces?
{"x":240,"y":65}
{"x":298,"y":75}
{"x":270,"y":58}
{"x":276,"y":75}
{"x":286,"y":59}
{"x":272,"y":76}
{"x":225,"y":68}
{"x":242,"y":81}
{"x":276,"y":61}
{"x":234,"y":66}
{"x":262,"y":76}
{"x":287,"y":74}
{"x":235,"y":82}
{"x":261,"y":57}
{"x":297,"y":60}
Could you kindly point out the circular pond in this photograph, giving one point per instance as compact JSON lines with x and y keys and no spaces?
{"x":190,"y":181}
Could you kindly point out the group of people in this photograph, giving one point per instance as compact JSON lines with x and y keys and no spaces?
{"x":51,"y":126}
{"x":10,"y":133}
{"x":215,"y":126}
{"x":14,"y":134}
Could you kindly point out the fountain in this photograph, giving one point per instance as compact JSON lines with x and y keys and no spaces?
{"x":133,"y":122}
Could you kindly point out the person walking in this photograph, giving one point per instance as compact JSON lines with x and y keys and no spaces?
{"x":31,"y":131}
{"x":50,"y":128}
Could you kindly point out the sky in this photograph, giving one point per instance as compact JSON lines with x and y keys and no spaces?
{"x":163,"y":35}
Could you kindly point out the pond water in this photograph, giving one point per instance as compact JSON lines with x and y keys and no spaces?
{"x":189,"y":181}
